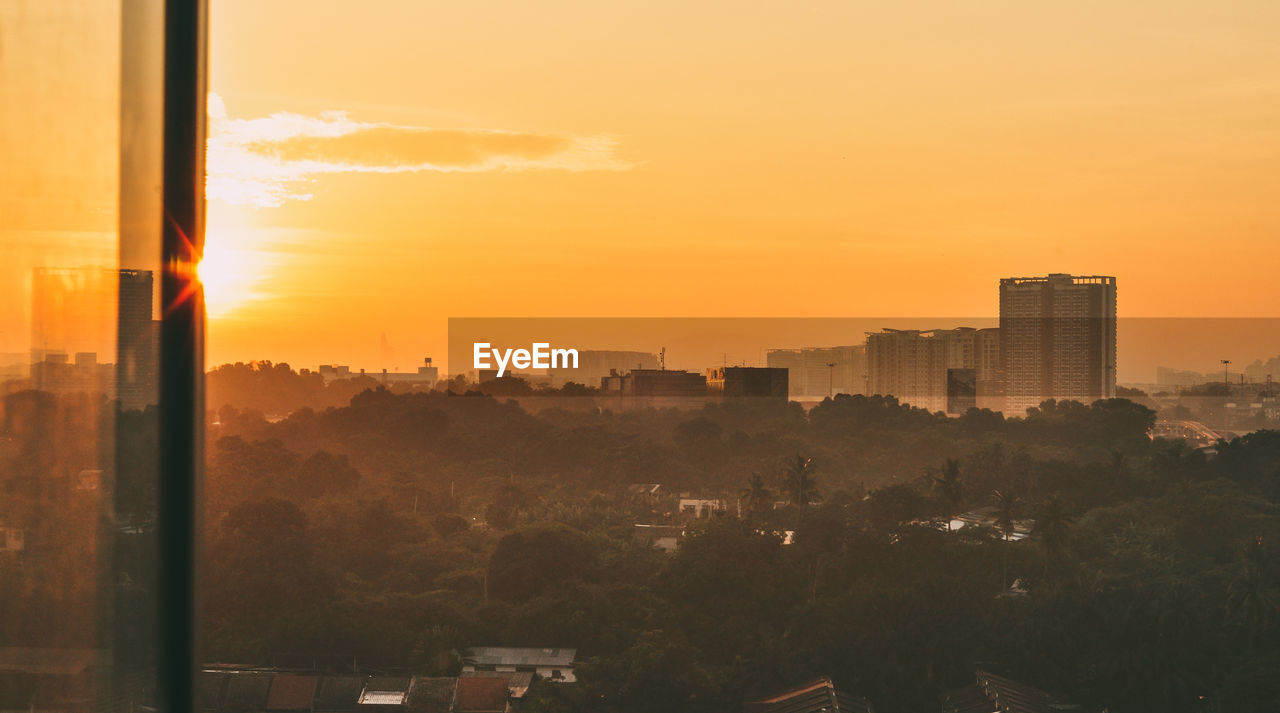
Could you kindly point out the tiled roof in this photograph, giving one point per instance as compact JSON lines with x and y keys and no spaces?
{"x":431,"y":695}
{"x":821,"y":696}
{"x":517,"y":656}
{"x":481,"y":695}
{"x":292,"y":692}
{"x":518,"y":682}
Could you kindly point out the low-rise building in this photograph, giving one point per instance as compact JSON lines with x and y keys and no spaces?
{"x":553,"y":664}
{"x":747,"y":381}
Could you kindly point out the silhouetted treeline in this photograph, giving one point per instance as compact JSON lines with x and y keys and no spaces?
{"x":399,"y":528}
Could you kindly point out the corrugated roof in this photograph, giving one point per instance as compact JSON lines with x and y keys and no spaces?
{"x":339,"y":693}
{"x":292,"y":692}
{"x":518,"y":656}
{"x":247,"y":691}
{"x":385,"y":691}
{"x":821,"y":696}
{"x":481,"y":695}
{"x":1001,"y":694}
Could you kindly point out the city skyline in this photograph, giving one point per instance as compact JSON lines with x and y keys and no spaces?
{"x":661,"y":177}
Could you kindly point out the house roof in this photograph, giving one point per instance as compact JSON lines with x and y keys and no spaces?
{"x":821,"y":696}
{"x":247,"y":691}
{"x":517,"y":656}
{"x":481,"y":695}
{"x":991,"y":693}
{"x":428,"y":694}
{"x":385,"y":691}
{"x":518,"y":682}
{"x":339,"y":693}
{"x":292,"y":692}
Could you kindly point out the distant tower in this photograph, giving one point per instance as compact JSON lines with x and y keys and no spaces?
{"x":1057,"y":339}
{"x":137,"y":344}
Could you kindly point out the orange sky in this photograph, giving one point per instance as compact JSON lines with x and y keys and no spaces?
{"x":377,"y":171}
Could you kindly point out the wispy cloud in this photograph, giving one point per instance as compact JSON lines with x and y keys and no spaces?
{"x":270,"y":160}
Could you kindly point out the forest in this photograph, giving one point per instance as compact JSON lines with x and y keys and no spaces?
{"x":392,"y":532}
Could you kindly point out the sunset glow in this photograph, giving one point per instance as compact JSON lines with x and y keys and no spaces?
{"x":668,"y":159}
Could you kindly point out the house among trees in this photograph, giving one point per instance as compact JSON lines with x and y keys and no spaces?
{"x":701,"y":507}
{"x":821,"y":696}
{"x":663,"y":537}
{"x":551,"y":664}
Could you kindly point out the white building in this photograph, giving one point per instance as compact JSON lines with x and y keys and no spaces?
{"x":551,"y":664}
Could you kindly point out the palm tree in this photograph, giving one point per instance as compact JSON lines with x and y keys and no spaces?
{"x":797,"y":481}
{"x":756,"y":496}
{"x":1052,"y":530}
{"x":1252,"y":602}
{"x":1006,"y":509}
{"x":949,"y":483}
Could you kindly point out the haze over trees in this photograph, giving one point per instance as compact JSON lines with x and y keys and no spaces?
{"x":393,"y":531}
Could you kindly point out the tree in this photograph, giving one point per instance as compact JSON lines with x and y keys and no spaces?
{"x":797,"y":481}
{"x":756,"y":496}
{"x":949,"y":484}
{"x":1252,"y":601}
{"x":1052,"y":530}
{"x":1006,"y":509}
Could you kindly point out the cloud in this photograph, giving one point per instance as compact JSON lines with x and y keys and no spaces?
{"x":269,"y":161}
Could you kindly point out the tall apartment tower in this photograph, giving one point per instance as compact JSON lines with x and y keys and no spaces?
{"x":137,"y":342}
{"x":1057,"y":339}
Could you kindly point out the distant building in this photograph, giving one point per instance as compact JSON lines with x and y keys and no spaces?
{"x":694,"y":508}
{"x":595,"y":364}
{"x":962,"y":390}
{"x":426,"y":376}
{"x":137,"y":341}
{"x":913,"y":364}
{"x":1058,"y":339}
{"x":655,"y":383}
{"x":551,"y":664}
{"x":744,"y":381}
{"x":57,"y":375}
{"x":819,"y":372}
{"x":663,"y":537}
{"x":92,"y":311}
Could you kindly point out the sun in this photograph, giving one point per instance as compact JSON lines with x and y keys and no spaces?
{"x":232,"y":277}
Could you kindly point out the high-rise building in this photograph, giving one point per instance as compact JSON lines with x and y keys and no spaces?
{"x":1057,"y":339}
{"x":912,"y":364}
{"x":137,"y":341}
{"x":819,"y":372}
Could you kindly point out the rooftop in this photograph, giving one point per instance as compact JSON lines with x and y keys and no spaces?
{"x":517,"y":656}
